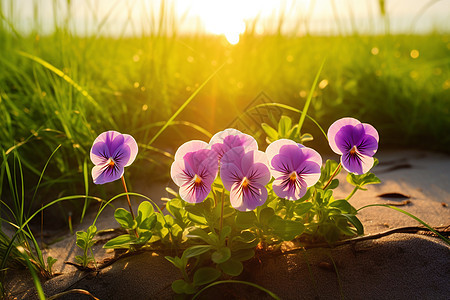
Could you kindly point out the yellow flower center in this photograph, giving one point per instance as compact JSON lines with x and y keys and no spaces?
{"x":353,"y":151}
{"x":293,"y":176}
{"x":245,"y":182}
{"x":111,"y":162}
{"x":197,"y":179}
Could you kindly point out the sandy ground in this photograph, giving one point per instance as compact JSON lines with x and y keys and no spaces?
{"x":398,"y":266}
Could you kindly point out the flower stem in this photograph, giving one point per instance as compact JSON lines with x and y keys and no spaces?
{"x":221,"y":210}
{"x":352,"y":193}
{"x":129,"y":202}
{"x":332,"y":176}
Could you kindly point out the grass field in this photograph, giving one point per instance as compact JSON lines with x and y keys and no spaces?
{"x":61,"y":88}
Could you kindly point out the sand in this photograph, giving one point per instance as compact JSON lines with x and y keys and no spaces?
{"x":397,"y":266}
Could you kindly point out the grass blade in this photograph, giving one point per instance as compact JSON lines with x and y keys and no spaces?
{"x":183,"y":106}
{"x":271,"y":294}
{"x":37,"y":282}
{"x":412,"y":216}
{"x":308,"y":100}
{"x":86,"y":188}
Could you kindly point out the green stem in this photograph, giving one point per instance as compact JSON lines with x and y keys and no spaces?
{"x":352,"y":193}
{"x":332,"y":176}
{"x":271,"y":294}
{"x":446,"y":240}
{"x":221,"y":210}
{"x":129,"y":203}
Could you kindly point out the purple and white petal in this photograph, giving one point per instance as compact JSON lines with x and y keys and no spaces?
{"x":274,"y":147}
{"x":130,"y":142}
{"x":289,"y":189}
{"x":356,"y":163}
{"x":230,"y":138}
{"x":249,"y":197}
{"x":106,"y":173}
{"x":335,"y":128}
{"x":309,"y":171}
{"x":190,"y":146}
{"x":193,"y":192}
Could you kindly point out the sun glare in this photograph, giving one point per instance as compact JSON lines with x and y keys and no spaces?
{"x":228,"y":18}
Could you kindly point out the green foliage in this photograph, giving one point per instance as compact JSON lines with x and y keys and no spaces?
{"x":140,"y":230}
{"x":85,"y":240}
{"x":285,"y":131}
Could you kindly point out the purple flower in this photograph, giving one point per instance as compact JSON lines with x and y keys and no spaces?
{"x":245,"y":175}
{"x":111,"y":153}
{"x":194,"y":170}
{"x":230,"y":138}
{"x":294,"y":167}
{"x":357,"y":142}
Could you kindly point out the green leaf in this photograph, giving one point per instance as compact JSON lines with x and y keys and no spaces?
{"x":245,"y":219}
{"x":145,"y":210}
{"x":344,"y":206}
{"x":232,"y":267}
{"x":272,"y":134}
{"x":144,"y":237}
{"x":171,"y":191}
{"x":286,"y":229}
{"x":198,"y":220}
{"x":355,"y":222}
{"x":302,"y":208}
{"x":306,"y":137}
{"x":176,"y":261}
{"x":194,"y":232}
{"x":124,"y":218}
{"x":122,"y":241}
{"x":226,"y":230}
{"x":147,"y":224}
{"x":92,"y":230}
{"x":242,"y":255}
{"x":333,"y":184}
{"x":245,"y":240}
{"x":205,"y":275}
{"x":327,"y":171}
{"x":284,"y":127}
{"x":221,"y":255}
{"x":50,"y":262}
{"x":196,"y":251}
{"x":265,"y":215}
{"x":362,"y":180}
{"x":182,"y":287}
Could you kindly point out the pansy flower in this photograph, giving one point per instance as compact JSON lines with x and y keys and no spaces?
{"x":356,"y":142}
{"x":230,"y":138}
{"x":294,"y":167}
{"x":111,"y":152}
{"x":245,"y":174}
{"x":194,"y":170}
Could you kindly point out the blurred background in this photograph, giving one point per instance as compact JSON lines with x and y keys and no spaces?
{"x":71,"y":69}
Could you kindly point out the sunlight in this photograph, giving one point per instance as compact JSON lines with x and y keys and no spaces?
{"x":228,"y":17}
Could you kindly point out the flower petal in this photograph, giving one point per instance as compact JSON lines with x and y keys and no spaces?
{"x":368,"y":145}
{"x":284,"y":188}
{"x":348,"y":137}
{"x":194,"y":193}
{"x":121,"y":155}
{"x":190,"y":146}
{"x":106,"y":173}
{"x":247,"y":198}
{"x":230,"y":174}
{"x":99,"y":153}
{"x":309,"y":171}
{"x":130,"y":142}
{"x":229,"y":138}
{"x":358,"y":163}
{"x":255,"y":167}
{"x":274,"y":147}
{"x":335,"y":128}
